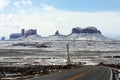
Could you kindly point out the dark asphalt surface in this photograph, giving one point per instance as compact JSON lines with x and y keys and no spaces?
{"x":83,"y":73}
{"x":100,"y":73}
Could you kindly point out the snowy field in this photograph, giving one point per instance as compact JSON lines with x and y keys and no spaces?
{"x":81,"y":51}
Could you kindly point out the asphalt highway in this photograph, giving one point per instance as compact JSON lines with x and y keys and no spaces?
{"x":83,"y":73}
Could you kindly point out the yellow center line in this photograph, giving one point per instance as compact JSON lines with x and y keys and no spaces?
{"x":80,"y":75}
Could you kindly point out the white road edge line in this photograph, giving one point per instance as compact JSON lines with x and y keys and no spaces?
{"x":111,"y":74}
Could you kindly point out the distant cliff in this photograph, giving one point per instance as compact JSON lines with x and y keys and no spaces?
{"x":88,"y":33}
{"x":85,"y":30}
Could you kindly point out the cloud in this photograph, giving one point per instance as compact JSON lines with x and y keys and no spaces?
{"x":47,"y":7}
{"x":17,"y":4}
{"x":27,"y":2}
{"x":3,"y":4}
{"x":22,"y":4}
{"x":47,"y":19}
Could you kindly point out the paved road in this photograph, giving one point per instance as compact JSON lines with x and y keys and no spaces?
{"x":84,"y":73}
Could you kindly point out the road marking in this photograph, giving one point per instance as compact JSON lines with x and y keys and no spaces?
{"x":110,"y":74}
{"x":80,"y":75}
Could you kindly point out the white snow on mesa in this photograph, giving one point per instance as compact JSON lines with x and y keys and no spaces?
{"x":73,"y":36}
{"x":88,"y":33}
{"x":88,"y":36}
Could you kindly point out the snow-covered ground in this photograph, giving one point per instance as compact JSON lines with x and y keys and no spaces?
{"x":75,"y":45}
{"x":85,"y":45}
{"x":43,"y":60}
{"x":57,"y":49}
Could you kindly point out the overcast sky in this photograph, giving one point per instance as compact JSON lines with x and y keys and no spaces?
{"x":47,"y":16}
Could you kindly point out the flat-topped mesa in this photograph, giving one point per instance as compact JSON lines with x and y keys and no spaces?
{"x":86,"y":30}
